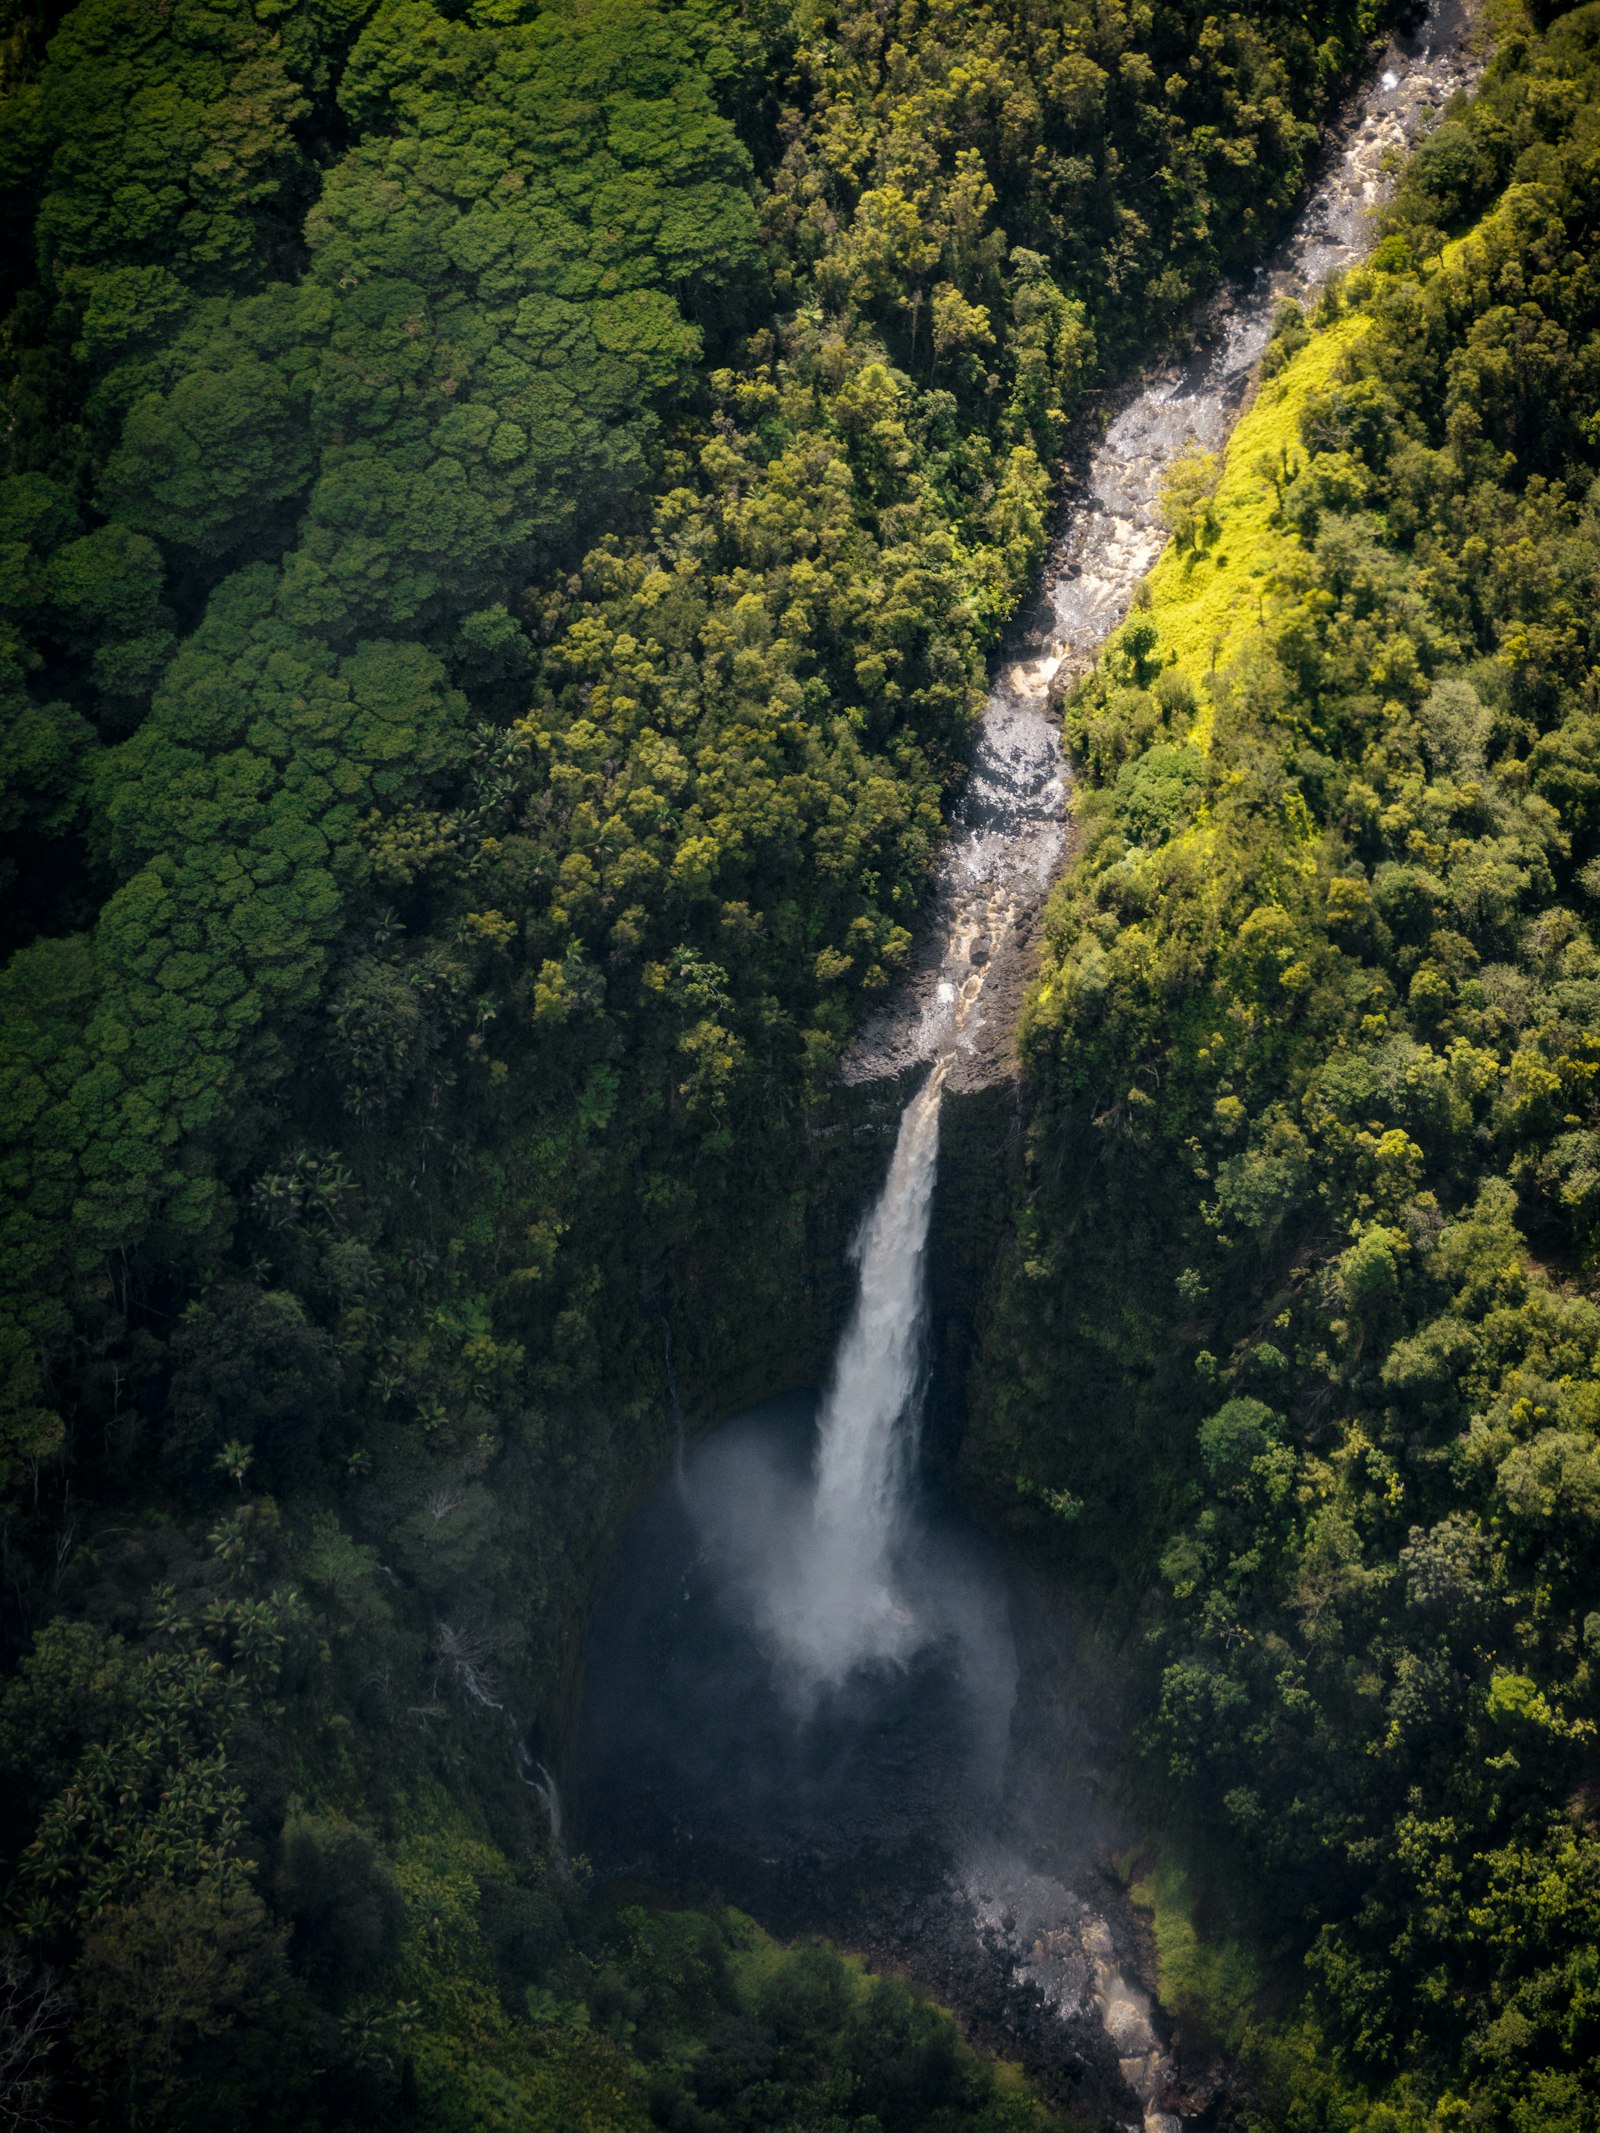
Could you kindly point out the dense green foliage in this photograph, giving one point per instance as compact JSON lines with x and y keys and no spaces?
{"x":247,"y":1957}
{"x":1303,"y":1307}
{"x":503,"y":512}
{"x":282,"y":473}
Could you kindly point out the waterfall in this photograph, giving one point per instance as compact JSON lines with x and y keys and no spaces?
{"x":674,"y":1398}
{"x":838,"y":1606}
{"x":479,"y":1692}
{"x":545,"y":1786}
{"x":833,"y":1602}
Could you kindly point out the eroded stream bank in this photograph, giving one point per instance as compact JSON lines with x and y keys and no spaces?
{"x":898,"y":1806}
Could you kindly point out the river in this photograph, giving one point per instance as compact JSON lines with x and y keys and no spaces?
{"x":1008,"y":832}
{"x":811,"y":1683}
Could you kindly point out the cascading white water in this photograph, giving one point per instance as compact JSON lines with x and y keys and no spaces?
{"x":832,"y":1602}
{"x":839,"y":1607}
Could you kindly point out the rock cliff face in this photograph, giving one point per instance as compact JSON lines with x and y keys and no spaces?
{"x":849,"y":1146}
{"x":980,"y":1141}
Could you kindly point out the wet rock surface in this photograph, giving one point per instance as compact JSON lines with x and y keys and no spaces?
{"x":1027,"y":1931}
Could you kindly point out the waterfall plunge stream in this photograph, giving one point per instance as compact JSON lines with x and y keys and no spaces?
{"x":836,"y":1603}
{"x":845,"y":1607}
{"x":804,"y":1686}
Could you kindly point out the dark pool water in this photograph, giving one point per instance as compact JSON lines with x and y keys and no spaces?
{"x":707,"y":1759}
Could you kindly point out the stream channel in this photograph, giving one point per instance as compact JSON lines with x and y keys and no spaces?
{"x":811,"y":1683}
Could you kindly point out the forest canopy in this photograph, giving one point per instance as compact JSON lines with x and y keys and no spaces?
{"x":504,"y":513}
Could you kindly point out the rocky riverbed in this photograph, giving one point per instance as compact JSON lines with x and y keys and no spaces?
{"x":1008,"y":836}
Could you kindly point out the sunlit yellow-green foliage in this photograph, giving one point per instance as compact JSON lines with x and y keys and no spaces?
{"x":1316,"y":1150}
{"x":1207,"y":595}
